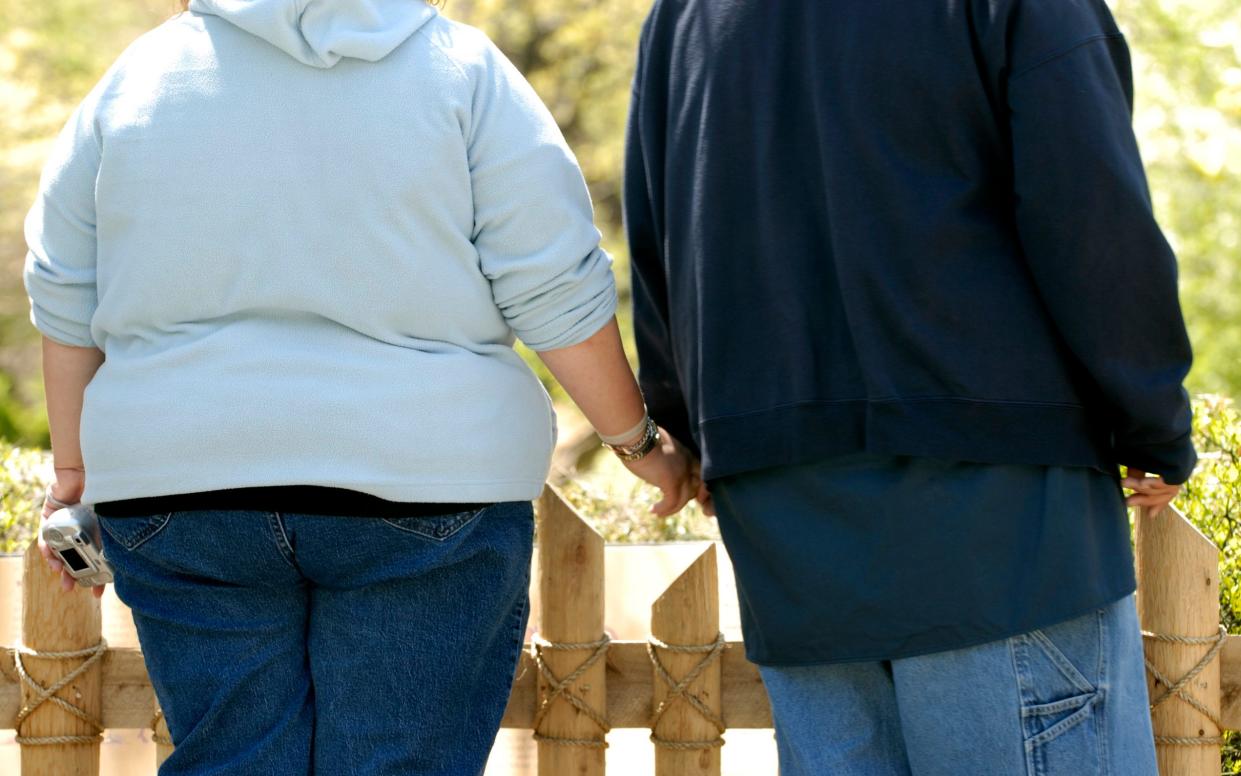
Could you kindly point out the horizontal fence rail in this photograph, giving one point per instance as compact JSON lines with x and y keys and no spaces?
{"x":129,"y":701}
{"x":686,"y":683}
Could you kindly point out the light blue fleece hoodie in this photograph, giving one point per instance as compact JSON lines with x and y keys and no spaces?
{"x":305,"y":233}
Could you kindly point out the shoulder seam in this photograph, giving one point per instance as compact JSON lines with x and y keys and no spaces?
{"x":1064,"y":51}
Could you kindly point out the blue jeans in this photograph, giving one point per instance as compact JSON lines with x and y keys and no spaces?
{"x":302,"y":644}
{"x":1066,"y":700}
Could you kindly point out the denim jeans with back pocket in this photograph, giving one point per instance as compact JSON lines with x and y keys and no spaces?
{"x":1065,"y":700}
{"x":290,"y":645}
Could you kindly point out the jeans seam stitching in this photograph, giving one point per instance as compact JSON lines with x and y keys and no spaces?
{"x":283,"y":546}
{"x":1063,"y":664}
{"x":146,"y":533}
{"x":461,"y":524}
{"x":1102,"y":683}
{"x":1063,"y":726}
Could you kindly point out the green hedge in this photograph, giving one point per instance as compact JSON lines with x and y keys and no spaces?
{"x":1212,"y":498}
{"x":23,"y":476}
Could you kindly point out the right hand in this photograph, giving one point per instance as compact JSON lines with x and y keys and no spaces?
{"x":668,"y":468}
{"x":1150,"y":492}
{"x":68,"y":488}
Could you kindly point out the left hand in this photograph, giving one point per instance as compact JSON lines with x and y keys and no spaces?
{"x":1150,"y":492}
{"x":68,"y":488}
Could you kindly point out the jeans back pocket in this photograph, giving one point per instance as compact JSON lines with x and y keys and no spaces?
{"x":132,"y":532}
{"x":439,"y":528}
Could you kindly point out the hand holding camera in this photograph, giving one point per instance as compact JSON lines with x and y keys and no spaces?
{"x":69,"y":537}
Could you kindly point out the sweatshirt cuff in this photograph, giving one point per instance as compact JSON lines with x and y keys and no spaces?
{"x":576,"y":326}
{"x":66,"y":331}
{"x":1173,"y":461}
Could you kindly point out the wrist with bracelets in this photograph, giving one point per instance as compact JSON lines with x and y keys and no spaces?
{"x":641,"y":448}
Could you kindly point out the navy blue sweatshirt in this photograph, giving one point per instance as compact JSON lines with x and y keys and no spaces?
{"x":900,"y":227}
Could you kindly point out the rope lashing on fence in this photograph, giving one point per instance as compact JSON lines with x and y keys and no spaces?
{"x":560,"y":688}
{"x":1179,"y":688}
{"x":156,"y":736}
{"x":43,"y":694}
{"x":680,"y":689}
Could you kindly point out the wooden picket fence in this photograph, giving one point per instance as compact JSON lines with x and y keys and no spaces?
{"x":685,"y":684}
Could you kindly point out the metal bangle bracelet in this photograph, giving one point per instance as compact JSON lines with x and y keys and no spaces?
{"x":48,"y":498}
{"x":643,"y":447}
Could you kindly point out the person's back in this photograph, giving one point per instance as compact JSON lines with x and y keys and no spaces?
{"x":905,"y":224}
{"x":279,"y":257}
{"x":251,"y":339}
{"x":897,"y":279}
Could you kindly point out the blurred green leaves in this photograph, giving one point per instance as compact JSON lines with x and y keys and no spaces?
{"x":1187,"y":63}
{"x":24,"y":474}
{"x":1212,"y":498}
{"x":51,"y":53}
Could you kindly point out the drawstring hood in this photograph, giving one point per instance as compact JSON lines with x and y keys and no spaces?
{"x":321,"y":32}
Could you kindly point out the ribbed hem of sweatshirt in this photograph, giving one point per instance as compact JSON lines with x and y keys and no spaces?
{"x":1173,"y":460}
{"x":943,"y":428}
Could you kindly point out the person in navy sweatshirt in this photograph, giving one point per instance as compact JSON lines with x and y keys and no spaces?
{"x":898,"y":286}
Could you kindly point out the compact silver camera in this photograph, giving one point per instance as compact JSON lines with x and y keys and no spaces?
{"x":73,"y":534}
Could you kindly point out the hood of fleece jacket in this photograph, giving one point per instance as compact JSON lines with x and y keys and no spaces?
{"x":320,"y":32}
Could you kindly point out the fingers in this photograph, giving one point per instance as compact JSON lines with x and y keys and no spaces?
{"x":660,"y":509}
{"x":67,"y":582}
{"x":668,"y":505}
{"x":675,"y":497}
{"x":53,"y":562}
{"x":1156,"y":503}
{"x":1149,"y":485}
{"x":98,"y":590}
{"x":1148,"y":492}
{"x":704,"y":500}
{"x":674,"y":472}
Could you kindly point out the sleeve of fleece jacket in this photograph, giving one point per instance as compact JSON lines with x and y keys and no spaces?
{"x":533,"y":222}
{"x":657,"y":374}
{"x":60,"y":234}
{"x":1102,"y":266}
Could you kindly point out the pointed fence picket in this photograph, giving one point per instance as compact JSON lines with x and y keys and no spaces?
{"x":684,"y":683}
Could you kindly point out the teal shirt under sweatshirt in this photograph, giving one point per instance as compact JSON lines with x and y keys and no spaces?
{"x":305,"y":235}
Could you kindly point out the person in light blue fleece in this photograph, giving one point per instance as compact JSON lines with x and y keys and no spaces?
{"x":279,"y":256}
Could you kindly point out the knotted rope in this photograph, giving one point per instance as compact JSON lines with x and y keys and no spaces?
{"x":43,"y":694}
{"x":680,"y":689}
{"x":156,"y":736}
{"x":1179,"y":688}
{"x":559,"y":688}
